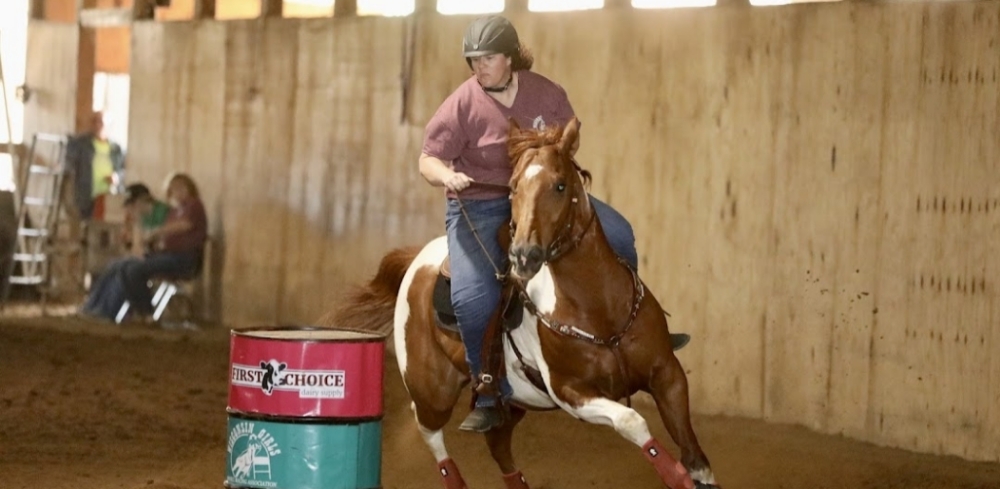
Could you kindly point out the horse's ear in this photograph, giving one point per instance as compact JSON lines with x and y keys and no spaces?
{"x":570,"y":136}
{"x":513,"y":128}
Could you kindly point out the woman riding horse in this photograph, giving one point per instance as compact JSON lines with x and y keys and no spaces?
{"x":465,"y":143}
{"x":591,"y":334}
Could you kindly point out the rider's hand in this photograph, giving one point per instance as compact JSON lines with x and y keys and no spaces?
{"x":458,"y":182}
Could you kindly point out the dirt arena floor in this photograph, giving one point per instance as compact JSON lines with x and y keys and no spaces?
{"x":95,"y":406}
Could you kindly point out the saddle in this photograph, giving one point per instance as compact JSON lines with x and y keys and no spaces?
{"x":445,"y":311}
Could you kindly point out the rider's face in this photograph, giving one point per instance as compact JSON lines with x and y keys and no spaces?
{"x":492,"y":70}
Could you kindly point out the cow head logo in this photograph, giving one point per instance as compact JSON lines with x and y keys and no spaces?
{"x":272,"y":375}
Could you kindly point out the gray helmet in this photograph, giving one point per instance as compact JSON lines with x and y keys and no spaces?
{"x":491,"y":34}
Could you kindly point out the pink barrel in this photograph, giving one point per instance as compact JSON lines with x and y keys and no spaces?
{"x":306,"y":372}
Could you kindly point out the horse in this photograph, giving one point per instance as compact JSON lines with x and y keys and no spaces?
{"x":588,"y":344}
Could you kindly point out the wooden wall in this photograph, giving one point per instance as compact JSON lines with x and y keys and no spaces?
{"x":52,"y":78}
{"x":814,"y":188}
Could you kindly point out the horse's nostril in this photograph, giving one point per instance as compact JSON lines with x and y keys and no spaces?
{"x":535,"y":255}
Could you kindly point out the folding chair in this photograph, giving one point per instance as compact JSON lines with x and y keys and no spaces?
{"x":168,"y":287}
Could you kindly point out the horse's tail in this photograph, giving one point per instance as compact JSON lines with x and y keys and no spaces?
{"x":370,"y":307}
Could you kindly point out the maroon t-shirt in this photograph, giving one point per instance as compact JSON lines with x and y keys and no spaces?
{"x":192,"y":240}
{"x":469,"y":130}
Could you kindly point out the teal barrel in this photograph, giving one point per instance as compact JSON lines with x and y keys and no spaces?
{"x":305,"y":409}
{"x":303,"y":455}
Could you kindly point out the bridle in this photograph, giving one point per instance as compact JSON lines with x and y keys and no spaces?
{"x":562,"y":244}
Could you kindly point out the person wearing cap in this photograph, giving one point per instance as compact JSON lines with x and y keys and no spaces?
{"x":106,"y":294}
{"x":466,"y":142}
{"x":142,"y":207}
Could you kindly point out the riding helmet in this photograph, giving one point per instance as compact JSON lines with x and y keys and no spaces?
{"x":491,"y":34}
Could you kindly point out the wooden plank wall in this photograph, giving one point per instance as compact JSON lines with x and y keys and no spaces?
{"x":302,"y":179}
{"x":814,"y":188}
{"x":52,"y":78}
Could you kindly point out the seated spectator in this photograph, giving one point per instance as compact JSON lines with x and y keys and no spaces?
{"x":176,"y":249}
{"x":142,"y":208}
{"x":178,"y":245}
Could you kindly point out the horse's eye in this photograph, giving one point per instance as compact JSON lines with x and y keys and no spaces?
{"x":561,"y":187}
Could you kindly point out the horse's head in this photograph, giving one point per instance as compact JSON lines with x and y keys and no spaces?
{"x":548,"y":196}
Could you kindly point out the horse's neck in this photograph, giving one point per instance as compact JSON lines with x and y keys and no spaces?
{"x":590,"y":274}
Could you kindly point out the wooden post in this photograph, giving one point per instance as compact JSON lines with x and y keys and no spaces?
{"x":347,"y":8}
{"x":85,"y":69}
{"x":143,"y":10}
{"x":516,"y":6}
{"x":36,"y":10}
{"x":425,"y":7}
{"x":271,"y":8}
{"x":204,"y":9}
{"x":63,"y":11}
{"x":608,"y":4}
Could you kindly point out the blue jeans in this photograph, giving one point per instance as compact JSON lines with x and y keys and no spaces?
{"x":475,"y":290}
{"x":135,"y":275}
{"x":107,"y":293}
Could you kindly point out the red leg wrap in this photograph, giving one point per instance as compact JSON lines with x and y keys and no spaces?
{"x":515,"y":481}
{"x":673,"y":474}
{"x":450,"y":475}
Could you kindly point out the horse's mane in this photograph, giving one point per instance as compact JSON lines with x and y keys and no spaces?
{"x":518,"y":144}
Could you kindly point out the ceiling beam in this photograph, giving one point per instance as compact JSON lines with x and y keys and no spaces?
{"x":347,"y":8}
{"x":204,"y":9}
{"x":105,"y":17}
{"x":272,"y":8}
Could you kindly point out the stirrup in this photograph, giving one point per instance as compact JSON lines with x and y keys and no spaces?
{"x":484,"y":386}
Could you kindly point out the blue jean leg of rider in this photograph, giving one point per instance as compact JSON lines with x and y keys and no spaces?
{"x":475,"y":290}
{"x":618,"y":231}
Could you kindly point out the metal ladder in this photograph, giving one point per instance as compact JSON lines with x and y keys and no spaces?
{"x":38,"y":215}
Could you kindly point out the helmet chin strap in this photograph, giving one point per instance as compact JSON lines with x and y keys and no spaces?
{"x":499,"y":89}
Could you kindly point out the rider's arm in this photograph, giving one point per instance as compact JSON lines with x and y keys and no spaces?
{"x":439,"y":174}
{"x":434,"y":170}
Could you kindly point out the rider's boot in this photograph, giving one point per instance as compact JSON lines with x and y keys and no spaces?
{"x":482,"y":419}
{"x":487,"y":414}
{"x":679,"y":340}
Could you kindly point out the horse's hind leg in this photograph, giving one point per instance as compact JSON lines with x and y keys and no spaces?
{"x":669,"y":388}
{"x":499,"y":440}
{"x":431,"y":422}
{"x":630,"y":425}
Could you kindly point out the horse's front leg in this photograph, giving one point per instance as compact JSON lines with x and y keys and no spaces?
{"x":499,"y":440}
{"x":588,"y":406}
{"x":669,"y":388}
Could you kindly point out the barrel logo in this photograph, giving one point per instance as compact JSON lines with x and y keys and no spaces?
{"x":250,"y":454}
{"x":274,"y":375}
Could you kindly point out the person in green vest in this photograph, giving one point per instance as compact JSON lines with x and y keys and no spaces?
{"x":142,"y":207}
